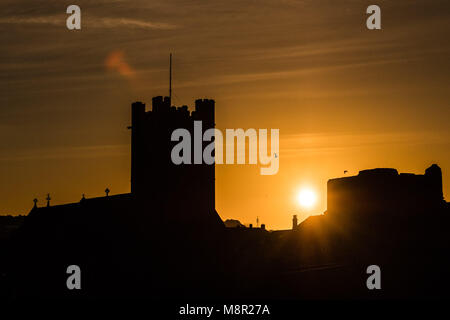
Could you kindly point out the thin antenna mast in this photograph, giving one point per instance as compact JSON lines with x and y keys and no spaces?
{"x":170,"y":79}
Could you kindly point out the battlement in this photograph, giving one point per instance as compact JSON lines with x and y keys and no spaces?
{"x":161,"y":104}
{"x":204,"y":105}
{"x":161,"y":107}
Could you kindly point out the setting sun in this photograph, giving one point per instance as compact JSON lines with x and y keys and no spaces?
{"x":306,"y":198}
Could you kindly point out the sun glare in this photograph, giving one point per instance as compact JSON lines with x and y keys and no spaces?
{"x":307,"y":198}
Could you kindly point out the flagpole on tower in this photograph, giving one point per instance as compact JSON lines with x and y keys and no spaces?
{"x":170,"y":78}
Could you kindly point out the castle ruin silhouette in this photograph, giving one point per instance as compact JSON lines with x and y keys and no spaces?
{"x":385,"y":192}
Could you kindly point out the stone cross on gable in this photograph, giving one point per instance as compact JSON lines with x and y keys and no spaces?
{"x":107,"y":191}
{"x":48,"y":199}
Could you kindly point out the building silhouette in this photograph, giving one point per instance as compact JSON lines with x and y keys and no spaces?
{"x":163,"y":194}
{"x":183,"y":193}
{"x":165,"y":239}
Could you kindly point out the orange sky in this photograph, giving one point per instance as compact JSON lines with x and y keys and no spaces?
{"x":343,"y":97}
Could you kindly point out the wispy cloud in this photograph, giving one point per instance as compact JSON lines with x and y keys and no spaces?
{"x":327,"y":143}
{"x":94,"y":22}
{"x":124,"y":22}
{"x":62,"y":153}
{"x":51,"y":20}
{"x":285,"y":74}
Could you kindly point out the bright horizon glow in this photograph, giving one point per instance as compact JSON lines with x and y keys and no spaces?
{"x":279,"y":73}
{"x":307,"y":198}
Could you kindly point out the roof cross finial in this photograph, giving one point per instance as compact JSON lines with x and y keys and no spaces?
{"x":107,"y":191}
{"x":48,"y":199}
{"x":35,"y":202}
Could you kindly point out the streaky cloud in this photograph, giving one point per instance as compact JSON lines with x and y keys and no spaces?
{"x":95,"y":22}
